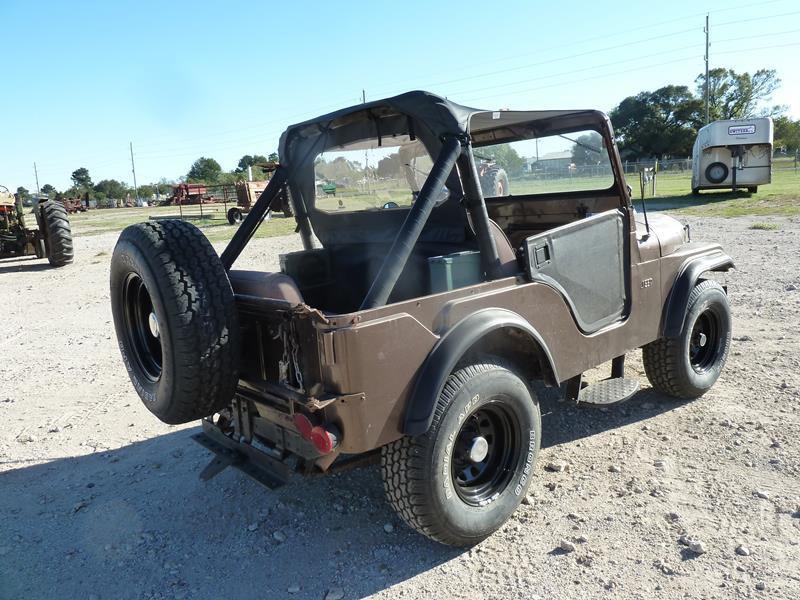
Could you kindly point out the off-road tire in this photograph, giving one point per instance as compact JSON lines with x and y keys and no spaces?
{"x":494,"y":183}
{"x":667,"y":361}
{"x":417,"y":471}
{"x":234,"y":216}
{"x":191,"y":298}
{"x":57,"y":233}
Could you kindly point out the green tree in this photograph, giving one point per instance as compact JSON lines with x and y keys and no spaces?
{"x":787,"y":134}
{"x":658,"y":124}
{"x":733,"y":95}
{"x":588,"y":149}
{"x":48,"y":189}
{"x":249,"y":161}
{"x":273,"y":157}
{"x":505,"y":156}
{"x":23,"y":194}
{"x":80,"y":177}
{"x":204,"y":170}
{"x":110,"y":188}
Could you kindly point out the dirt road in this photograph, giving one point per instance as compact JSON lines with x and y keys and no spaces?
{"x":100,"y":500}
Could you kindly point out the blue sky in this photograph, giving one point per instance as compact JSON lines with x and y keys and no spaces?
{"x":188,"y":79}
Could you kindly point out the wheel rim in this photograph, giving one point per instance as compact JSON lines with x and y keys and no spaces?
{"x":142,"y":327}
{"x":704,"y":341}
{"x":716,"y":173}
{"x":484,"y":453}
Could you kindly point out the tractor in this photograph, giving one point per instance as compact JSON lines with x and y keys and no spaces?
{"x":52,"y":239}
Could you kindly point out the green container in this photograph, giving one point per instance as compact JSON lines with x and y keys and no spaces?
{"x":456,"y":270}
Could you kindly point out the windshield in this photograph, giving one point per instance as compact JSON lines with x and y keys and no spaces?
{"x":576,"y":161}
{"x":364,"y":175}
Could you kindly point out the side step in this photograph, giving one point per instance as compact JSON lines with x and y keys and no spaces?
{"x":605,"y":392}
{"x":608,"y":391}
{"x":263,"y":468}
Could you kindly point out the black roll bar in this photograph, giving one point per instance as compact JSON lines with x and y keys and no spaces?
{"x":248,"y":227}
{"x":409,"y":233}
{"x":490,"y":260}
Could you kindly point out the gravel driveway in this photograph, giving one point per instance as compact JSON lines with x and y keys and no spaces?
{"x":649,"y":499}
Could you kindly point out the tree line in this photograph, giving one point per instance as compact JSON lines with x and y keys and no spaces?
{"x":664,"y":123}
{"x":651,"y":124}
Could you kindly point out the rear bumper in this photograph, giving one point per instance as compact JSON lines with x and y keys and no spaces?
{"x":248,"y":459}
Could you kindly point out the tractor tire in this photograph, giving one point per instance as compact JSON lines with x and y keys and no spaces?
{"x":288,"y":212}
{"x":462,"y":479}
{"x":494,"y":183}
{"x":175,"y":319}
{"x":688,"y":365}
{"x":234,"y":216}
{"x":57,"y":233}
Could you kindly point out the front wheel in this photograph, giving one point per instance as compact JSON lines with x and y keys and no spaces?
{"x":688,"y":365}
{"x":462,"y":479}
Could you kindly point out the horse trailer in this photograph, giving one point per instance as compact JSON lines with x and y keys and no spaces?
{"x":733,"y":154}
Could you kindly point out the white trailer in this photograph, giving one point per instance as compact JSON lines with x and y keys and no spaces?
{"x":733,"y":154}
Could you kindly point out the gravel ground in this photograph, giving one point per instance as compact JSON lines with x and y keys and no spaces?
{"x":656,"y":498}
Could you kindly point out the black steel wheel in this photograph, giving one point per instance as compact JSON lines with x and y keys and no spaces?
{"x":483,"y":454}
{"x":717,"y":172}
{"x":688,"y":365}
{"x":462,"y":479}
{"x":175,"y":319}
{"x":141,"y":327}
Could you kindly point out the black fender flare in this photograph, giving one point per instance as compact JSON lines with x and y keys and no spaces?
{"x":450,"y":349}
{"x":688,"y":275}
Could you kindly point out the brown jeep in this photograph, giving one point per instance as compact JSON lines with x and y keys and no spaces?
{"x":420,"y":311}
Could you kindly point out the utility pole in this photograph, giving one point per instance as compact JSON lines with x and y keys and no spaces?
{"x":36,"y":172}
{"x":706,"y":57}
{"x":133,"y":168}
{"x":363,"y":97}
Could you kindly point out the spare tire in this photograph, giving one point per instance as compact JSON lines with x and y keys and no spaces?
{"x":717,"y":172}
{"x":57,"y":233}
{"x":175,"y":319}
{"x":494,"y":183}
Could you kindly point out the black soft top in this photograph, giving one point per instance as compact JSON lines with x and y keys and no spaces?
{"x":418,"y":115}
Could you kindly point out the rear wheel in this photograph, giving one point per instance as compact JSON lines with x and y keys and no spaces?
{"x":462,"y":479}
{"x":175,"y":320}
{"x":688,"y":365}
{"x":57,"y":233}
{"x":494,"y":183}
{"x":234,"y":216}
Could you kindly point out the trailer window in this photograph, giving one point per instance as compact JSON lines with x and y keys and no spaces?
{"x":576,"y":161}
{"x":368,"y":176}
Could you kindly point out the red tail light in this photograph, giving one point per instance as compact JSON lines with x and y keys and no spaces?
{"x":323,"y":440}
{"x":304,"y":426}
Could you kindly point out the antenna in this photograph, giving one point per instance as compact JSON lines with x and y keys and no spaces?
{"x":36,"y":172}
{"x":706,"y":31}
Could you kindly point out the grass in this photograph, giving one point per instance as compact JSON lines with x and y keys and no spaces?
{"x":765,"y":226}
{"x":673,"y":192}
{"x":214,"y":222}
